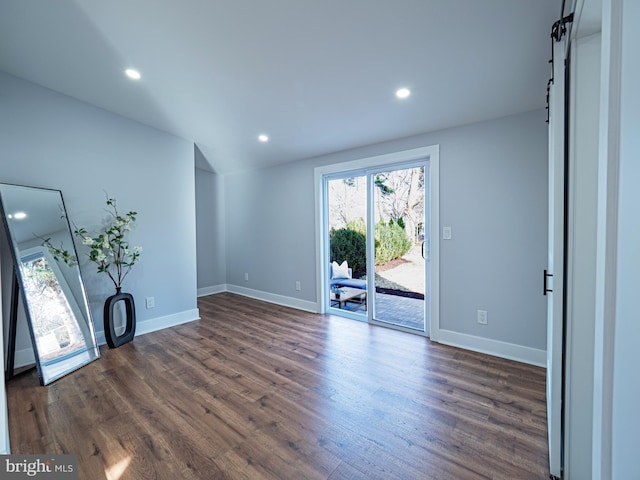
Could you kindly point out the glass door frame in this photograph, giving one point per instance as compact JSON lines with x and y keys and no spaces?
{"x":326,"y":244}
{"x":427,"y":156}
{"x":371,"y":220}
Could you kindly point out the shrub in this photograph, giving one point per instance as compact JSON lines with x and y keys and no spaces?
{"x":391,"y":242}
{"x":349,"y":245}
{"x":359,"y":225}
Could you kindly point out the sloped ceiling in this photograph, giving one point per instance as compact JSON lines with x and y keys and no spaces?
{"x":316,"y":76}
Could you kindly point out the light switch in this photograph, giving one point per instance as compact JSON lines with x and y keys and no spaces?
{"x":446,"y":233}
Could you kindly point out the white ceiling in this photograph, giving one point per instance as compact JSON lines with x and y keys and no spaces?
{"x":44,"y":209}
{"x":316,"y":76}
{"x":587,"y":17}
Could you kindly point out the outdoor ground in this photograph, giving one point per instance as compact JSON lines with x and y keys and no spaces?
{"x":400,"y":291}
{"x":406,"y":273}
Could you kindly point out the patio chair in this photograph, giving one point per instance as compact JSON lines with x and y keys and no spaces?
{"x":341,"y":275}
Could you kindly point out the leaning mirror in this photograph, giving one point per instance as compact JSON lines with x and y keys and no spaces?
{"x":51,"y":287}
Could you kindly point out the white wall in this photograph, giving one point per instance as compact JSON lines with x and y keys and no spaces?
{"x":270,"y":233}
{"x":23,"y":341}
{"x":51,"y":140}
{"x":626,"y":381}
{"x":581,"y":274}
{"x":493,"y":184}
{"x":210,"y":249}
{"x":4,"y":421}
{"x":616,"y":385}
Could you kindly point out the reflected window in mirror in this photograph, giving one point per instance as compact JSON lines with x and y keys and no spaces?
{"x":56,"y":307}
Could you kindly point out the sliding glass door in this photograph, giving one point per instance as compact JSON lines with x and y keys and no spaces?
{"x":400,"y":252}
{"x":376,"y":243}
{"x":346,"y":201}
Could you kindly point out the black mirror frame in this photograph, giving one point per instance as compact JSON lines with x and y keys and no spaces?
{"x":18,"y":284}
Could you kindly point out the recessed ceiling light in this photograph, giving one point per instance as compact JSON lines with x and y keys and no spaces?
{"x":19,"y":215}
{"x":403,"y":92}
{"x":133,"y":74}
{"x":263,"y":138}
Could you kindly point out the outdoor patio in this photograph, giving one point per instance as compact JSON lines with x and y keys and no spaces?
{"x":398,"y":310}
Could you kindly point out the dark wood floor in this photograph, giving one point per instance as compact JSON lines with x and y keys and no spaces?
{"x":257,"y":391}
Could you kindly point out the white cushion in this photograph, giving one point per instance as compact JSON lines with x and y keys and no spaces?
{"x":339,"y":271}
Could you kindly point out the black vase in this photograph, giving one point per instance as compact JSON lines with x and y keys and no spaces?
{"x":114,"y":340}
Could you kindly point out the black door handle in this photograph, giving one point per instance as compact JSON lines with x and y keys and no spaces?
{"x":546,"y":290}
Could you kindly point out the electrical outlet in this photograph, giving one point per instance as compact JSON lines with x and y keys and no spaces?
{"x":483,"y":317}
{"x":298,"y":287}
{"x":151,"y":302}
{"x":246,"y":277}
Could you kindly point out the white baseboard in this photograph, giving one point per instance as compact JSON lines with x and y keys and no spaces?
{"x":102,"y":340}
{"x":203,"y":292}
{"x":160,"y":323}
{"x":510,"y":351}
{"x":25,"y":356}
{"x":291,"y":302}
{"x":157,"y":323}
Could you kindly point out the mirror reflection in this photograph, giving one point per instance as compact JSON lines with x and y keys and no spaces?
{"x":56,"y":307}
